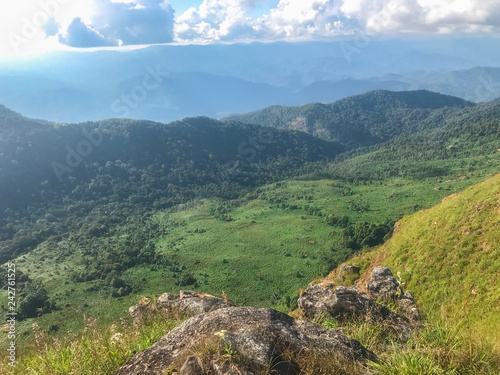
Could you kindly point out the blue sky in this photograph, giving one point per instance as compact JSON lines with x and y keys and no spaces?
{"x":181,"y":6}
{"x":31,"y":26}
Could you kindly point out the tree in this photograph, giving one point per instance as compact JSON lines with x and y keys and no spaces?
{"x":34,"y":301}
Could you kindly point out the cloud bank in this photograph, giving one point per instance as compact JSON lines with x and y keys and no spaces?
{"x":122,"y":22}
{"x":290,"y":19}
{"x":320,"y":19}
{"x":131,"y":22}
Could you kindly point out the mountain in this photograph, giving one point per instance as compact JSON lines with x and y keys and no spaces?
{"x":173,"y":96}
{"x":479,"y":84}
{"x":444,"y":143}
{"x":167,"y":83}
{"x":46,"y":165}
{"x":98,"y":215}
{"x":361,"y":120}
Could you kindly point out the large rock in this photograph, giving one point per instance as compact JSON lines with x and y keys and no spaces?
{"x":260,"y":337}
{"x":382,"y":283}
{"x":344,"y":303}
{"x":142,"y":312}
{"x":226,"y":368}
{"x":184,"y":305}
{"x":408,"y":306}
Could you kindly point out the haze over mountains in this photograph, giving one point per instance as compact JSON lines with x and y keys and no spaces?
{"x":167,"y":83}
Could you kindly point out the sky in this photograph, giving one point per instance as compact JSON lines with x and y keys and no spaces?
{"x":32,"y":26}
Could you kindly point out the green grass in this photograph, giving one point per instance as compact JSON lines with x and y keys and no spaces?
{"x":96,"y":350}
{"x":261,"y":258}
{"x":449,"y":258}
{"x":275,"y":251}
{"x":439,"y":347}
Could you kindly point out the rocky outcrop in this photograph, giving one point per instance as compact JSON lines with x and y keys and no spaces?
{"x":185,"y":304}
{"x":383,"y":286}
{"x":142,"y":312}
{"x":249,"y":341}
{"x":407,"y":304}
{"x":343,"y":304}
{"x":382,"y":283}
{"x":347,"y":270}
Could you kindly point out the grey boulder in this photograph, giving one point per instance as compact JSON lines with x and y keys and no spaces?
{"x":382,"y":284}
{"x":259,"y":336}
{"x":184,"y":305}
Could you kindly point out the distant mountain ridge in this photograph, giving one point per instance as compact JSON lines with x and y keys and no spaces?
{"x":478,"y":84}
{"x":361,"y":120}
{"x":218,"y":80}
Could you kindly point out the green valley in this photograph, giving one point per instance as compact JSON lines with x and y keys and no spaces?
{"x":252,"y":212}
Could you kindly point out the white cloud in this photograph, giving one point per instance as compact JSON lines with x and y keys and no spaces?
{"x":32,"y":25}
{"x":122,"y":22}
{"x":319,"y":19}
{"x":297,"y":19}
{"x":420,"y":16}
{"x":217,"y":20}
{"x":230,"y":20}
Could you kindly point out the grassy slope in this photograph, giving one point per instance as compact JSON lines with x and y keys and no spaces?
{"x":268,"y":247}
{"x":449,"y":257}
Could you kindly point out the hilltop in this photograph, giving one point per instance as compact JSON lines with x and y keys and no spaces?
{"x":465,"y":140}
{"x":362,"y":120}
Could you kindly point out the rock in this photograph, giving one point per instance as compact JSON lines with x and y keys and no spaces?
{"x":141,"y":313}
{"x":189,"y":304}
{"x":347,"y":269}
{"x":313,"y":287}
{"x":186,"y":304}
{"x":409,"y":307}
{"x":344,"y":303}
{"x":382,"y":283}
{"x":257,"y":349}
{"x":192,"y":366}
{"x":260,"y":337}
{"x":225,"y":368}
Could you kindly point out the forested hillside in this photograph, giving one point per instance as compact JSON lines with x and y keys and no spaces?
{"x":362,"y":120}
{"x":465,"y":141}
{"x":46,"y":168}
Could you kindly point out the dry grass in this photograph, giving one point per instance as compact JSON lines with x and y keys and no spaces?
{"x":94,"y":351}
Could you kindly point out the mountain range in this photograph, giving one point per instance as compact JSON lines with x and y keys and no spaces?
{"x":167,"y":83}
